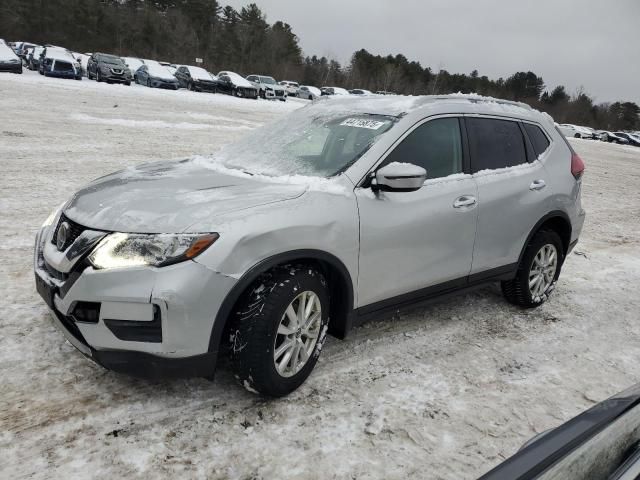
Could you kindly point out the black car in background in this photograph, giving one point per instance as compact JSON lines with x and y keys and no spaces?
{"x":632,"y":140}
{"x":154,"y":75}
{"x":9,"y":61}
{"x":196,"y":79}
{"x":601,"y":443}
{"x":108,"y":68}
{"x":233,"y":84}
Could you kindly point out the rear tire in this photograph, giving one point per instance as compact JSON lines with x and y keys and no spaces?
{"x":538,"y":271}
{"x":272,"y":351}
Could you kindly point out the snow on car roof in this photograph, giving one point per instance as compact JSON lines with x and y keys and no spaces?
{"x":159,"y":71}
{"x":396,"y":105}
{"x":6,"y":53}
{"x":198,"y":73}
{"x":57,"y":53}
{"x":237,"y":79}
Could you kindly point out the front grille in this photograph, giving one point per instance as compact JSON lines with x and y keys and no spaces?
{"x":75,"y":230}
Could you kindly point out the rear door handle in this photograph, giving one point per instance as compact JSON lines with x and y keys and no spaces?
{"x":537,"y":185}
{"x":464,"y":201}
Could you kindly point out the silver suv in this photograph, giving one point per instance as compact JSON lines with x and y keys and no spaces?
{"x":358,"y":207}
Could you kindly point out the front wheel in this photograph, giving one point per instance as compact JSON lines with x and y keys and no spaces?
{"x":279,"y":329}
{"x":538,"y":271}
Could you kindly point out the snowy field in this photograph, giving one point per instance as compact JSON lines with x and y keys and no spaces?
{"x":446,"y":391}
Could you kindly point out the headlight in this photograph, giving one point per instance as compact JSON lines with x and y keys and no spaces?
{"x":52,"y":216}
{"x":122,"y":250}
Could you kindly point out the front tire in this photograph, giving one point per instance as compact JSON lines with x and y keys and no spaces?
{"x":278,"y":329}
{"x":538,"y":271}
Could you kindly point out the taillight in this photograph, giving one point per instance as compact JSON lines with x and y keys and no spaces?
{"x":577,"y":166}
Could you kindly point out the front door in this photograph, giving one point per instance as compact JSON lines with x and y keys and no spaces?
{"x":413,"y":240}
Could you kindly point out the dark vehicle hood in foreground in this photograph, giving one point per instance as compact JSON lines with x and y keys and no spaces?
{"x":169,"y":197}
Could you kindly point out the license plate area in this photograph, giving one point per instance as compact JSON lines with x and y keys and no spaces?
{"x":46,"y":291}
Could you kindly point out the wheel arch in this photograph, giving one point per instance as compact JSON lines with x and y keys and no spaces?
{"x":559,"y":222}
{"x":340,"y":290}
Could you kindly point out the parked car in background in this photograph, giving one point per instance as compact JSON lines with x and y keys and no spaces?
{"x":601,"y":443}
{"x":360,"y":91}
{"x":83,"y":59}
{"x":611,"y":137}
{"x":9,"y":61}
{"x":156,"y":76}
{"x":133,"y":64}
{"x":309,"y":92}
{"x":268,"y":88}
{"x":108,"y":68}
{"x":53,"y":63}
{"x":575,"y":131}
{"x":629,"y":137}
{"x":21,"y":50}
{"x":156,"y":269}
{"x":291,"y":87}
{"x":196,"y":79}
{"x":33,"y":60}
{"x":384,"y":92}
{"x":233,"y":84}
{"x":333,"y":91}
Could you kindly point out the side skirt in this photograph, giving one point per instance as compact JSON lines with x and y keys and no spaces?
{"x":431,"y":294}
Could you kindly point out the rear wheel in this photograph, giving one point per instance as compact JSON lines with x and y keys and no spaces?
{"x":279,"y":328}
{"x":538,"y":271}
{"x":577,"y":135}
{"x":98,"y":76}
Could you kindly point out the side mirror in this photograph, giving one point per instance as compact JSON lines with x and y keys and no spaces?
{"x":399,"y":177}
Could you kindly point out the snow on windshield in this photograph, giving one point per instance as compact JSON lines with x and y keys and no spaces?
{"x":199,"y":73}
{"x":317,"y":142}
{"x":158,"y":71}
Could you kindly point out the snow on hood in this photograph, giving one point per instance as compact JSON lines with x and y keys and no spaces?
{"x":158,"y":71}
{"x":169,"y":197}
{"x":6,"y":53}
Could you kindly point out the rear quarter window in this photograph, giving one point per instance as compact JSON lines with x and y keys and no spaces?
{"x":538,"y":139}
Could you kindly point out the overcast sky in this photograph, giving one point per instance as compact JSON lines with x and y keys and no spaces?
{"x":575,"y":43}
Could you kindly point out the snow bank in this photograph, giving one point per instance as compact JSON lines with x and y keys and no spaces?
{"x":155,"y":124}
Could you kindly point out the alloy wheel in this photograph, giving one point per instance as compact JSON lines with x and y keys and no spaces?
{"x":298,"y":333}
{"x":543,"y":270}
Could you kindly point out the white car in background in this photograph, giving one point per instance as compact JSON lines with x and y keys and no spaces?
{"x":133,"y":64}
{"x":9,"y":61}
{"x":309,"y":92}
{"x":334,"y":91}
{"x":360,"y":91}
{"x":575,"y":131}
{"x":290,"y":87}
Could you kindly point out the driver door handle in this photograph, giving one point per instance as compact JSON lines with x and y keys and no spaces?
{"x":537,"y":185}
{"x":464,"y":201}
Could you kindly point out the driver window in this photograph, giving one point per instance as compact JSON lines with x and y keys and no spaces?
{"x":435,"y":146}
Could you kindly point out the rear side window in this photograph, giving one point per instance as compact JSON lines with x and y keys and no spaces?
{"x":495,"y":144}
{"x":538,"y":138}
{"x":435,"y":146}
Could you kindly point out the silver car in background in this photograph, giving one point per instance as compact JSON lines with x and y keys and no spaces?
{"x":344,"y":210}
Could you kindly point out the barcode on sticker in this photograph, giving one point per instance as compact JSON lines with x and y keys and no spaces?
{"x":362,"y":123}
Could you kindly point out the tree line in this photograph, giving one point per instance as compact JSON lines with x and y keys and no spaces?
{"x":242,"y":40}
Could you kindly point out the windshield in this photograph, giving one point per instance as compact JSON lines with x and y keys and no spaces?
{"x":267,"y":80}
{"x":110,"y":60}
{"x":307,"y":142}
{"x":199,"y":73}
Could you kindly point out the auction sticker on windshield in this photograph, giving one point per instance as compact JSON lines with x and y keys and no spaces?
{"x":362,"y":123}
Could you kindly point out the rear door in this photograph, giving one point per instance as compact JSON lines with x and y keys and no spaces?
{"x":513,"y":189}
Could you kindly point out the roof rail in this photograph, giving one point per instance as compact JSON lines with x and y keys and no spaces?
{"x":475,"y":98}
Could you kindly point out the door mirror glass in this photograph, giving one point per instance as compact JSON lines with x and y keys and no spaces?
{"x":399,"y":177}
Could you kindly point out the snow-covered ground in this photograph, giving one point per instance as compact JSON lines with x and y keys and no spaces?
{"x":446,"y":391}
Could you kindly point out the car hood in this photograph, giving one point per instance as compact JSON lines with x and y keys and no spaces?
{"x":169,"y":197}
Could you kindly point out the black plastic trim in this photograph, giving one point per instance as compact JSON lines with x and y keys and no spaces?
{"x":433,"y":293}
{"x":137,"y":331}
{"x":146,"y":365}
{"x":534,"y":230}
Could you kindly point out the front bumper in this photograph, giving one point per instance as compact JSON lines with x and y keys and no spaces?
{"x":11,"y":67}
{"x":150,"y":322}
{"x":115,"y":78}
{"x":155,"y":83}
